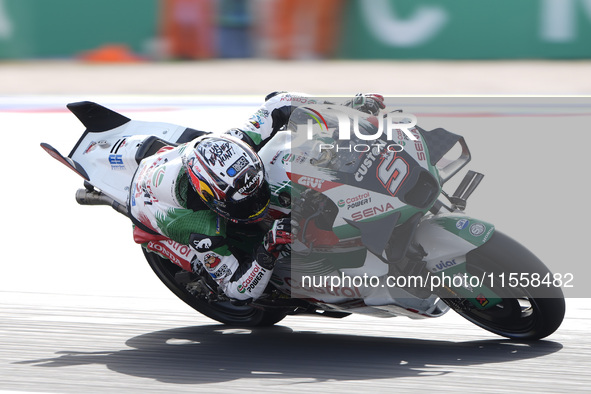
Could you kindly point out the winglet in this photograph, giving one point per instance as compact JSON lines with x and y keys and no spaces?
{"x":95,"y":117}
{"x":376,"y":234}
{"x":71,"y":164}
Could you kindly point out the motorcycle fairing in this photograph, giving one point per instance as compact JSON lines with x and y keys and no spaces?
{"x":447,"y":239}
{"x":113,"y":139}
{"x":380,"y":301}
{"x":439,"y":142}
{"x":95,"y":117}
{"x":71,"y":164}
{"x":376,"y":235}
{"x":447,"y":236}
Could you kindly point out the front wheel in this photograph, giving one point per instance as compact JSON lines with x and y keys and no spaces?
{"x":524,"y":312}
{"x":223,"y":312}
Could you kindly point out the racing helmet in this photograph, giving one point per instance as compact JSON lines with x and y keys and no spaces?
{"x":229,"y":177}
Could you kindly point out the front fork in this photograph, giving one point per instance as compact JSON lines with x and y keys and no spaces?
{"x":447,"y":239}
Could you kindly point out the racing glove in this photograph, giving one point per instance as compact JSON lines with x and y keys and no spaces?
{"x":276,"y":240}
{"x":369,"y":103}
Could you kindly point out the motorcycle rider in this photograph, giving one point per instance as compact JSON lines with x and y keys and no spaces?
{"x":278,"y":106}
{"x":194,"y":192}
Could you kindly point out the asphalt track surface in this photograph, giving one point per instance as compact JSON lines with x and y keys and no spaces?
{"x":81,"y":311}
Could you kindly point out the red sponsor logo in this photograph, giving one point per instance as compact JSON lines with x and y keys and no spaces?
{"x":318,"y":184}
{"x":175,"y":252}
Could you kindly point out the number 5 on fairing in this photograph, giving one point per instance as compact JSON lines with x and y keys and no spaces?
{"x":392,"y":171}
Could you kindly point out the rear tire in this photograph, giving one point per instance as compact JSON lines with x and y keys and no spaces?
{"x":223,"y":312}
{"x":529,"y":313}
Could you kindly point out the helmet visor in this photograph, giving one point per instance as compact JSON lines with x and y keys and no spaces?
{"x":250,"y":209}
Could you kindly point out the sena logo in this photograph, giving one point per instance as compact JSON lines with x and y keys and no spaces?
{"x":373,"y":211}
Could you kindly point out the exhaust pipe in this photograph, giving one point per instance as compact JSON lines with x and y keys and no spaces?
{"x":93,"y":197}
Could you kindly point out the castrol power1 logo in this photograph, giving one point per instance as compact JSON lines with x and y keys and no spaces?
{"x":354,"y":202}
{"x":253,"y":279}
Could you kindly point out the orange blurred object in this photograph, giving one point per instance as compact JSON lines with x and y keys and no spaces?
{"x":304,"y":28}
{"x":187,"y":27}
{"x":110,"y":53}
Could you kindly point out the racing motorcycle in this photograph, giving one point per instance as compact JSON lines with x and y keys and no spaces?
{"x":375,"y":233}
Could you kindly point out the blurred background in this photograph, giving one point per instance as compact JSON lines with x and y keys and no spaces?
{"x":394,"y":46}
{"x":295,"y":29}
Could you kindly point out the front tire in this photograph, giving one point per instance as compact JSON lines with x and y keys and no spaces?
{"x":223,"y":312}
{"x":527,"y":313}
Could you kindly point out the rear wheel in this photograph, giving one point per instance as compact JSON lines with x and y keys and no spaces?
{"x":531,"y":312}
{"x":222,"y":311}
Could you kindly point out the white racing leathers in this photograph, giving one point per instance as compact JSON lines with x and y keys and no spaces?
{"x":166,"y":209}
{"x":240,"y":281}
{"x":270,"y":117}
